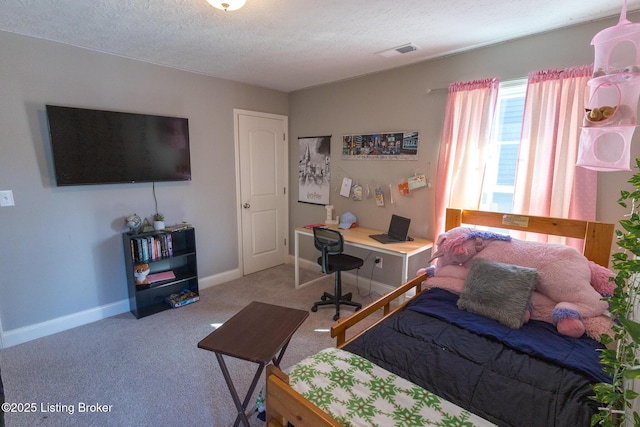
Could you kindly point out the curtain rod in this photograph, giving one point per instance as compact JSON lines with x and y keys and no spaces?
{"x":513,"y":80}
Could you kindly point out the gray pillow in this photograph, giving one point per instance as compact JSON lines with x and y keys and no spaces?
{"x":499,"y":291}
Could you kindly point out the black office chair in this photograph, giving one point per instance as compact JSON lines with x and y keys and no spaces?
{"x":330,"y":243}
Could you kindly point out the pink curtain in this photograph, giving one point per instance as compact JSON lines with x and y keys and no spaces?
{"x":547,"y":181}
{"x":465,"y":138}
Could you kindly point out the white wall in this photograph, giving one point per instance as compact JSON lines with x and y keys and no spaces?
{"x":61,"y":256}
{"x":398,"y":100}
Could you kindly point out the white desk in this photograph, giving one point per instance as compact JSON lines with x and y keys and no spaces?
{"x":359,"y":237}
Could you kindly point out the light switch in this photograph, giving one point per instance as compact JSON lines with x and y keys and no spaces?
{"x":6,"y":198}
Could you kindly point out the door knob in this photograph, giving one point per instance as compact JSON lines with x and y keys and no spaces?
{"x":246,"y":206}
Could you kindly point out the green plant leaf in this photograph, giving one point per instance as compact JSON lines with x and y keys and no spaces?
{"x":605,"y":339}
{"x":620,"y":256}
{"x":632,"y":328}
{"x":632,"y":373}
{"x":630,"y":395}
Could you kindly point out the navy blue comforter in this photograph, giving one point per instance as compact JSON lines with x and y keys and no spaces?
{"x":535,"y":338}
{"x":527,"y":377}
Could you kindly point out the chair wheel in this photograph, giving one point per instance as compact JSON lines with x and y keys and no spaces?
{"x":336,"y":317}
{"x":314,"y":308}
{"x":358,"y":308}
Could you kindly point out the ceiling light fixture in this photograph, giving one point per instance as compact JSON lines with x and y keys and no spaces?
{"x":227,"y":4}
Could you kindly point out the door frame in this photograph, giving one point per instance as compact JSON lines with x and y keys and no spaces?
{"x":236,"y":137}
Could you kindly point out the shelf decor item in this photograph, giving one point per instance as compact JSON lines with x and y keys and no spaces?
{"x":134,"y":222}
{"x":141,"y":271}
{"x":158,"y":221}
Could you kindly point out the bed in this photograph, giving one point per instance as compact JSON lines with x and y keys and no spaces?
{"x":447,"y":361}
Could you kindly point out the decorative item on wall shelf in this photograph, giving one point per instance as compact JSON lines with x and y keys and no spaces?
{"x":158,"y":221}
{"x":314,"y":163}
{"x":381,"y":146}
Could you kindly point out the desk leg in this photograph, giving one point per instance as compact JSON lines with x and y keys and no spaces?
{"x":405,"y":273}
{"x":405,"y":268}
{"x":240,"y":406}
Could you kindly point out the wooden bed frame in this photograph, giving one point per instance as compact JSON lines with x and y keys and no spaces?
{"x":286,"y":405}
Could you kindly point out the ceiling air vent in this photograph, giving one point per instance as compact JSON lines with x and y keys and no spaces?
{"x":405,"y":48}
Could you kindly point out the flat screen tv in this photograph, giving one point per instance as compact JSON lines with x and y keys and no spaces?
{"x":107,"y":147}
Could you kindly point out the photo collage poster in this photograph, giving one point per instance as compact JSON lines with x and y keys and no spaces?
{"x":381,"y":146}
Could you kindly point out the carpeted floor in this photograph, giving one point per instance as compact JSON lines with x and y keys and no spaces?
{"x":1,"y":402}
{"x":122,"y":371}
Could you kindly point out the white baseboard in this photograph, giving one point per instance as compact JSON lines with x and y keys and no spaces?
{"x":39,"y":330}
{"x":218,"y":279}
{"x":49,"y":327}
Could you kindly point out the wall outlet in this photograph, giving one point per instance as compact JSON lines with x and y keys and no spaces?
{"x":378,"y":261}
{"x":6,"y":198}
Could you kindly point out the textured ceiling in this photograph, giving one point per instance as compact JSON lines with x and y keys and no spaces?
{"x":292,"y":44}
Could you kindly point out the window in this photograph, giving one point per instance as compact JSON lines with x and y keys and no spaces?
{"x":500,"y":173}
{"x":479,"y":149}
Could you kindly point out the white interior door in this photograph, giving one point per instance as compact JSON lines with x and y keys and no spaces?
{"x":262,"y":142}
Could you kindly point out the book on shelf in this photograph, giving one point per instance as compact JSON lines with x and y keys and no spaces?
{"x":158,"y":277}
{"x":151,"y":248}
{"x":169,"y":241}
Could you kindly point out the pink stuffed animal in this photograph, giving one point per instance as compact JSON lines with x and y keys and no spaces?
{"x":569,"y":290}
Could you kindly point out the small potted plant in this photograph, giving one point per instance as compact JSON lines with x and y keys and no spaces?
{"x":158,"y":221}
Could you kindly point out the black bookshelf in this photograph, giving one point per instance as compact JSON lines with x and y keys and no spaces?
{"x":170,"y":252}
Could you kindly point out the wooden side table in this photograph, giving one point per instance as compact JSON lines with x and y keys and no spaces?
{"x":259,"y":333}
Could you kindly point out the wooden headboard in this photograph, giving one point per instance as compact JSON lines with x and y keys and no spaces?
{"x":598,"y":236}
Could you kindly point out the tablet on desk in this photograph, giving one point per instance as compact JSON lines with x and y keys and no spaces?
{"x":398,"y":231}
